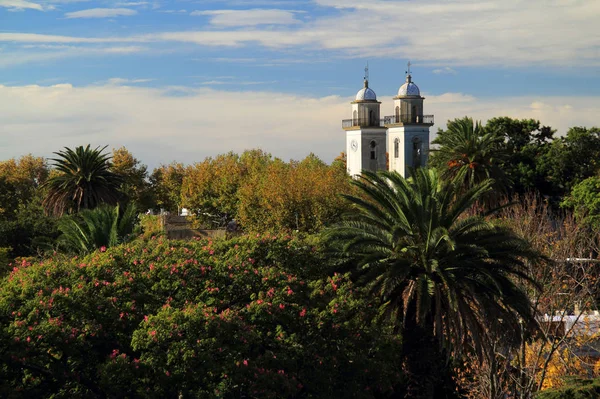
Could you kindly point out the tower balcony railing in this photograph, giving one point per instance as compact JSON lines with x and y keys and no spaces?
{"x":362,"y":123}
{"x":389,"y":120}
{"x":408,"y":119}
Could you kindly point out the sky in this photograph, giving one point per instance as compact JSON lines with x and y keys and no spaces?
{"x":181,"y":80}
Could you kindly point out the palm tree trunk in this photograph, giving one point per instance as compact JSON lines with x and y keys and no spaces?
{"x":424,"y":364}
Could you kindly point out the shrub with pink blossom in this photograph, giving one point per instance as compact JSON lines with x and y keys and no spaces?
{"x":249,"y":317}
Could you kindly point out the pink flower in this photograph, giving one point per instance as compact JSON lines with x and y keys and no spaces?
{"x":245,"y":362}
{"x":303,"y":312}
{"x":103,"y":249}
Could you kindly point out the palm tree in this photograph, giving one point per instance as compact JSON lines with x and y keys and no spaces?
{"x":442,"y":277}
{"x":92,"y":229}
{"x":469,"y":154}
{"x":83,"y":181}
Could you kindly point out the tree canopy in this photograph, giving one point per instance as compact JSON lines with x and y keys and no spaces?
{"x":83,"y":181}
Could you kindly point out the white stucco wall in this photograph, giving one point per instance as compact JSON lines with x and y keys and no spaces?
{"x":406,"y":134}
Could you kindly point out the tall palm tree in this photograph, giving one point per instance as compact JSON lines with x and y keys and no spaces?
{"x":469,"y":154}
{"x":83,"y":181}
{"x":92,"y":229}
{"x":441,"y":276}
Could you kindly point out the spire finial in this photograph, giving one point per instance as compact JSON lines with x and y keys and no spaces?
{"x":367,"y":75}
{"x":408,"y":65}
{"x":408,"y":76}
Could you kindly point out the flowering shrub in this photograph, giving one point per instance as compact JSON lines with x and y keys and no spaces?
{"x":250,"y":317}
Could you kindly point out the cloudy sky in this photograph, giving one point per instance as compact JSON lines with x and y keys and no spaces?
{"x":185,"y":79}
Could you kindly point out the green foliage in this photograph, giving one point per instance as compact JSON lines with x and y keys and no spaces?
{"x":576,"y":388}
{"x":156,"y":319}
{"x":22,"y":217}
{"x":437,"y":272}
{"x":585,"y":201}
{"x":151,"y":225}
{"x":92,"y":229}
{"x":211,"y":188}
{"x":166,"y":182}
{"x":469,"y":154}
{"x":265,"y":194}
{"x":5,"y":260}
{"x":524,"y":142}
{"x":84,"y":181}
{"x":134,"y":185}
{"x":301,"y":196}
{"x":572,"y":159}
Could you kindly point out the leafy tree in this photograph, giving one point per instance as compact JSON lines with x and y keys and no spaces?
{"x":166,"y":182}
{"x":525,"y":141}
{"x":22,"y":217}
{"x":577,"y":388}
{"x":300,"y":196}
{"x":102,"y":227}
{"x":518,"y":133}
{"x":250,"y":317}
{"x":19,"y":182}
{"x":440,"y":275}
{"x":134,"y":178}
{"x":211,"y":187}
{"x":571,"y":159}
{"x":84,"y":181}
{"x":585,"y":201}
{"x":469,"y":154}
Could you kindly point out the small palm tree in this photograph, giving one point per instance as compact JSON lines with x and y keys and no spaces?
{"x":83,"y":181}
{"x":469,"y":154}
{"x":92,"y":229}
{"x":441,"y":276}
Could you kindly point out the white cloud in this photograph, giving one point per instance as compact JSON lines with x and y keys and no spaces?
{"x":173,"y":11}
{"x":252,"y":17}
{"x":445,"y":71}
{"x":165,"y":124}
{"x":48,"y":53}
{"x":123,"y":81}
{"x":17,"y":5}
{"x":101,"y":13}
{"x":132,"y":3}
{"x":39,"y":38}
{"x":444,"y":35}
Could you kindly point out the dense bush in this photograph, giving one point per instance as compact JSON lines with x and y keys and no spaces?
{"x":575,"y":389}
{"x":239,"y":318}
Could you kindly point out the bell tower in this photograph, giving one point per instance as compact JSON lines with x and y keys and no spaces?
{"x":408,"y":129}
{"x":365,"y":135}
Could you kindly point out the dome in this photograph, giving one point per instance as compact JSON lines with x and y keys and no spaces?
{"x":409,"y":88}
{"x":366,"y":94}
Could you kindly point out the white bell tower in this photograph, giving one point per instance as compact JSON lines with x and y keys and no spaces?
{"x":365,"y":135}
{"x":408,"y":129}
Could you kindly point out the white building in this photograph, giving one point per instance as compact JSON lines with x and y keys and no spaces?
{"x":397,"y":142}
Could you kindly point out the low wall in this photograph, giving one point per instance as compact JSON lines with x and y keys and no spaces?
{"x":180,"y":228}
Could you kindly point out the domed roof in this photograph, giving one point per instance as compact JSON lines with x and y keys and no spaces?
{"x":409,"y":88}
{"x":366,"y":94}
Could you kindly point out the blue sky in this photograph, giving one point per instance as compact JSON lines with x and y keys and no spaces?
{"x":182,"y":80}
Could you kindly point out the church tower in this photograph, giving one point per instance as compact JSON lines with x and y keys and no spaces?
{"x":365,"y":135}
{"x":408,"y":129}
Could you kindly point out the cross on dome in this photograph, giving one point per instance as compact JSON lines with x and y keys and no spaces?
{"x":366,"y":93}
